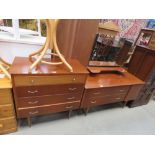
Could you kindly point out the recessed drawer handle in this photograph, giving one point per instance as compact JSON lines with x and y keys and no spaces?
{"x":118,"y":98}
{"x":72,"y":89}
{"x":35,"y":112}
{"x":32,"y":92}
{"x":71,"y":98}
{"x":1,"y":125}
{"x":121,"y":90}
{"x":74,"y":79}
{"x":35,"y":102}
{"x":32,"y":81}
{"x":93,"y":101}
{"x":69,"y":107}
{"x":97,"y":93}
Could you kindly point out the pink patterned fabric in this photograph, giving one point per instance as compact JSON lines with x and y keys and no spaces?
{"x":129,"y":27}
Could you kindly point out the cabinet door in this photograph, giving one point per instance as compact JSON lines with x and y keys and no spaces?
{"x":142,"y":62}
{"x":136,"y":60}
{"x":147,"y":66}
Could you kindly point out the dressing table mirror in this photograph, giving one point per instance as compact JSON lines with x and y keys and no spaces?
{"x":105,"y":49}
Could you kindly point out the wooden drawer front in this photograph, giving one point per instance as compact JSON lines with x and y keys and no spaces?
{"x":48,"y":90}
{"x":103,"y":100}
{"x":7,"y":125}
{"x":41,"y":110}
{"x":6,"y":111}
{"x":107,"y":91}
{"x":5,"y":96}
{"x":47,"y":80}
{"x":47,"y":100}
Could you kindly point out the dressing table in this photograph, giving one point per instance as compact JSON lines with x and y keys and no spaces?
{"x":109,"y":85}
{"x":108,"y":82}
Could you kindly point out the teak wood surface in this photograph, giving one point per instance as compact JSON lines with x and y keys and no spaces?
{"x":37,"y":95}
{"x":111,"y":79}
{"x":21,"y":66}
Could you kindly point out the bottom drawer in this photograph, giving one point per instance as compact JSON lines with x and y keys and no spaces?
{"x":8,"y":125}
{"x":42,"y":110}
{"x":103,"y":100}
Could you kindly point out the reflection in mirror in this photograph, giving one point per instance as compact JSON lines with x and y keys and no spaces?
{"x":105,"y":51}
{"x":106,"y":46}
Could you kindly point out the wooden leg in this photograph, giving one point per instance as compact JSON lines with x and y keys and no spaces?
{"x":124,"y":104}
{"x":86,"y":111}
{"x":18,"y":122}
{"x":69,"y":113}
{"x":29,"y":121}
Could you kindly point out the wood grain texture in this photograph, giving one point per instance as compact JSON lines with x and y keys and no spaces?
{"x":8,"y":125}
{"x":144,"y":66}
{"x":133,"y":92}
{"x":48,"y":80}
{"x":111,"y":80}
{"x":5,"y":96}
{"x":90,"y":102}
{"x":7,"y":114}
{"x":21,"y":66}
{"x":144,"y":69}
{"x":107,"y":91}
{"x":5,"y":83}
{"x":30,"y":91}
{"x":76,"y":37}
{"x":46,"y":109}
{"x":48,"y":100}
{"x":110,"y":87}
{"x":6,"y":111}
{"x":51,"y":89}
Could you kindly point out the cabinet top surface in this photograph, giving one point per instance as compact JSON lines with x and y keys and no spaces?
{"x":109,"y":79}
{"x":21,"y":66}
{"x":5,"y":83}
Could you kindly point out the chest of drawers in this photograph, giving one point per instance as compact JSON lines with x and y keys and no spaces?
{"x":109,"y":88}
{"x":7,"y":114}
{"x":52,"y":89}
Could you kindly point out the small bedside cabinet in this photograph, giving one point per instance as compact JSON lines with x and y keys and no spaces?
{"x":8,"y":122}
{"x":52,"y":89}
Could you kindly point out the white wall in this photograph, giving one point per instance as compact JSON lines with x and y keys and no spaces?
{"x":9,"y":50}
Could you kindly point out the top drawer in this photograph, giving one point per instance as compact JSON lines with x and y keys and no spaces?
{"x":47,"y":80}
{"x":107,"y":91}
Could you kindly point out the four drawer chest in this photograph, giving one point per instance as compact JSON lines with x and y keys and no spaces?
{"x":7,"y":114}
{"x":49,"y":90}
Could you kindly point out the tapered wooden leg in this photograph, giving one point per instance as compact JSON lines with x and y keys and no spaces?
{"x":124,"y":104}
{"x":18,"y":122}
{"x":86,"y":111}
{"x":69,"y":113}
{"x":29,"y":121}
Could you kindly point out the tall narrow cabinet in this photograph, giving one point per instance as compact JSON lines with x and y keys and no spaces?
{"x":142,"y":65}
